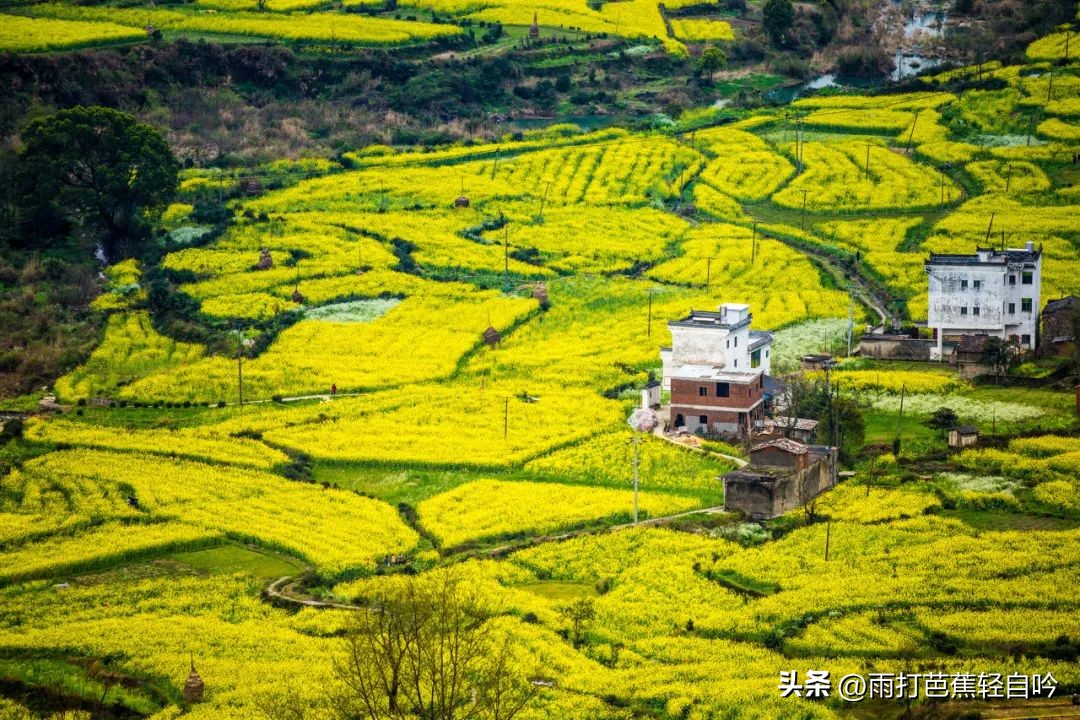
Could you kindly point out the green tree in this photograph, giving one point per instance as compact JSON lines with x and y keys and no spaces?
{"x":842,"y":425}
{"x":778,"y":15}
{"x":1000,"y":355}
{"x":943,"y":419}
{"x":101,"y":166}
{"x":713,"y":60}
{"x":580,"y":613}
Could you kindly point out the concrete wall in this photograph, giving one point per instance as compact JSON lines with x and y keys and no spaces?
{"x":777,"y":458}
{"x":760,"y":500}
{"x":711,"y":346}
{"x":698,"y":345}
{"x":895,"y":347}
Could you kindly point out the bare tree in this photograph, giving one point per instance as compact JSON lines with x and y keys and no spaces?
{"x":424,"y":647}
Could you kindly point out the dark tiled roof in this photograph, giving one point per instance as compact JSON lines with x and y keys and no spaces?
{"x":785,"y":444}
{"x":967,"y":430}
{"x":1011,"y":256}
{"x":1069,"y":302}
{"x":774,"y":386}
{"x":759,"y":338}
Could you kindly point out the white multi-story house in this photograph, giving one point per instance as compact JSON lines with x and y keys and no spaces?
{"x":993,"y":292}
{"x":716,"y":369}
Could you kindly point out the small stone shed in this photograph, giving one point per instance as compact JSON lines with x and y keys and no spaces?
{"x":782,"y":475}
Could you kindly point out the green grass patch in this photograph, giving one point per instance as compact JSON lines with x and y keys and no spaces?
{"x":1002,"y":520}
{"x":229,"y":559}
{"x":63,"y":683}
{"x":560,"y":591}
{"x":742,"y":584}
{"x":392,"y":484}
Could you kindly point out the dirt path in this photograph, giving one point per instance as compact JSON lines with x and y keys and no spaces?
{"x":282,"y":589}
{"x":659,"y":432}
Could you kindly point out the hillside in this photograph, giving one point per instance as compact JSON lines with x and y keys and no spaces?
{"x":326,"y":375}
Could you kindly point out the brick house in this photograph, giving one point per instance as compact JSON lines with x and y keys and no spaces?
{"x":1058,"y":318}
{"x":716,"y":369}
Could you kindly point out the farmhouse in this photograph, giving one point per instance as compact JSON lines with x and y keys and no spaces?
{"x":963,"y":436}
{"x":716,"y":369}
{"x":1059,"y":322}
{"x":993,"y":292}
{"x":783,"y":474}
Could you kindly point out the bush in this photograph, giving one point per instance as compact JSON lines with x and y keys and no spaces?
{"x":13,"y":428}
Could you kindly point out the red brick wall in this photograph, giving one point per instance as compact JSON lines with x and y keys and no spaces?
{"x":685,"y":392}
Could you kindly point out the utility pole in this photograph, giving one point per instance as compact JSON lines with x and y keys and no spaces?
{"x":506,"y":416}
{"x":867,"y":175}
{"x":1008,"y":178}
{"x":828,"y":537}
{"x":240,"y":372}
{"x":850,"y":317}
{"x":900,"y":419}
{"x":708,"y":271}
{"x":543,"y":201}
{"x":506,"y":257}
{"x":802,"y":223}
{"x":753,"y":246}
{"x":637,"y":465}
{"x":990,"y":226}
{"x":911,"y":137}
{"x":1050,"y":88}
{"x":496,"y":165}
{"x":648,"y":332}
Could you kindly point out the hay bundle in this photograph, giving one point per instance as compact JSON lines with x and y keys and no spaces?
{"x":540,"y":294}
{"x":193,"y":686}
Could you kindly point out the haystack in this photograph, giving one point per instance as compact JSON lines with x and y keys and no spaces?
{"x":193,"y":686}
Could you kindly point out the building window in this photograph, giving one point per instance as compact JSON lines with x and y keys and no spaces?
{"x":736,"y":362}
{"x":704,"y":420}
{"x":1012,"y":308}
{"x":963,"y":310}
{"x":736,"y":341}
{"x":1025,"y":339}
{"x":723,"y":390}
{"x":703,"y":391}
{"x":1025,"y":304}
{"x":978,"y":284}
{"x":727,"y":344}
{"x":963,"y":284}
{"x":1028,"y":277}
{"x":766,"y":353}
{"x":755,"y":359}
{"x":1012,"y":279}
{"x":975,"y":310}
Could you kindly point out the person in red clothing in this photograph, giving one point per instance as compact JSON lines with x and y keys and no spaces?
{"x":333,"y":389}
